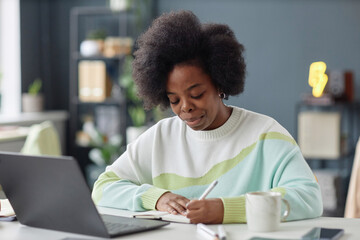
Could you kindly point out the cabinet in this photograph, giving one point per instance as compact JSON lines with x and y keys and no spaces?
{"x":327,"y":136}
{"x":107,"y":112}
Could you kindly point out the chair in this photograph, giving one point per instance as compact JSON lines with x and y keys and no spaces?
{"x":352,"y":207}
{"x":42,"y":139}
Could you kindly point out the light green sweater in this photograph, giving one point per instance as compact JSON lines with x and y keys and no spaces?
{"x":250,"y":152}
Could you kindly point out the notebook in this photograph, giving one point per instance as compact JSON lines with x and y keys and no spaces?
{"x":51,"y":193}
{"x":164,"y":216}
{"x":6,"y":211}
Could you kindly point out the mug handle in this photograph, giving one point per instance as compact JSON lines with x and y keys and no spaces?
{"x":287,"y":211}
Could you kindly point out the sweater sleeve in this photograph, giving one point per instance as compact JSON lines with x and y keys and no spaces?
{"x":298,"y":185}
{"x":294,"y":179}
{"x":122,"y":186}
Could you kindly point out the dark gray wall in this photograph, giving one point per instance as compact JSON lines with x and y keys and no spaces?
{"x":282,"y":38}
{"x":45,"y":46}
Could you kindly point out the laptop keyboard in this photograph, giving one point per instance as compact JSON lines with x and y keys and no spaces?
{"x":122,"y":227}
{"x":117,"y":226}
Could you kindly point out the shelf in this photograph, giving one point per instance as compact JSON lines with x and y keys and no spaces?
{"x":109,"y":101}
{"x":85,"y":148}
{"x":88,"y":11}
{"x":79,"y":57}
{"x":338,"y":121}
{"x":109,"y":116}
{"x":334,"y":106}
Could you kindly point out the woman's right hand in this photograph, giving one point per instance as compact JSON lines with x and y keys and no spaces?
{"x":172,"y":203}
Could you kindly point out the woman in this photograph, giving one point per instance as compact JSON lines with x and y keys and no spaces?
{"x":192,"y":68}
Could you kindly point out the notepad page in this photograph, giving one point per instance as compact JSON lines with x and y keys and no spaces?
{"x":163,"y":216}
{"x":6,"y":208}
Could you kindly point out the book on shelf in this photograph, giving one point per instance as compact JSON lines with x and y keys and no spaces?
{"x":94,"y":84}
{"x":159,"y":215}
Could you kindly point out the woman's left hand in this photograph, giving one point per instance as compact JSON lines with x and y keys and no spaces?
{"x":205,"y":211}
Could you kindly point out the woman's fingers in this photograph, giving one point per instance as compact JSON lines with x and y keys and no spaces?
{"x":206,"y":211}
{"x":198,"y":211}
{"x":177,"y":207}
{"x":172,"y":203}
{"x":194,"y":204}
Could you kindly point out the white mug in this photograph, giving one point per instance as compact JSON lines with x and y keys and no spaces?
{"x":263,"y":211}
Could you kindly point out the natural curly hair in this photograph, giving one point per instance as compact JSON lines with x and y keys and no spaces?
{"x":179,"y":38}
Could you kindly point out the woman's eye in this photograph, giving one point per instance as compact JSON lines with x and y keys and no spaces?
{"x":174,"y":102}
{"x":197,"y":96}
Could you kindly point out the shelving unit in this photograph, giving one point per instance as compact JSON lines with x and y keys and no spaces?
{"x":333,"y":173}
{"x":116,"y":23}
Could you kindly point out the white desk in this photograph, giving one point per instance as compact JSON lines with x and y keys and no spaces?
{"x":178,"y":231}
{"x":12,"y":138}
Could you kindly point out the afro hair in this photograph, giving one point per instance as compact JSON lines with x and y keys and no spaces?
{"x":179,"y":38}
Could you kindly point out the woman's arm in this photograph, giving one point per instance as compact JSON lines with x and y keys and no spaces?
{"x":293,"y":178}
{"x":126,"y":192}
{"x":126,"y":185}
{"x":112,"y":191}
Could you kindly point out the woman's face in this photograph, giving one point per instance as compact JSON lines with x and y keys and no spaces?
{"x":194,"y":98}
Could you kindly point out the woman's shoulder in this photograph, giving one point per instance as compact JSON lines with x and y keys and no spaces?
{"x":161,"y":131}
{"x":259,"y":121}
{"x":169,"y":122}
{"x":249,"y":115}
{"x":164,"y":126}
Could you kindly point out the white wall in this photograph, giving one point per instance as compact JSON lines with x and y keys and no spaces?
{"x":10,"y":56}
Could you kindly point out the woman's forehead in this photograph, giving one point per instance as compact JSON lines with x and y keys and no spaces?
{"x":186,"y":78}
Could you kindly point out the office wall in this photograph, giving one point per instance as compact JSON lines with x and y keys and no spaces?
{"x":282,"y":38}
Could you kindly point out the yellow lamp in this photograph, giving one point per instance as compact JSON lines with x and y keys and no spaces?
{"x":317,"y":78}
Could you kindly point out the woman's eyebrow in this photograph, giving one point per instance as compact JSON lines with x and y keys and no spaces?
{"x":188,"y":89}
{"x":194,"y":86}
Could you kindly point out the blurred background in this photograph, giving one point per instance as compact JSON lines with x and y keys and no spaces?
{"x":75,"y":55}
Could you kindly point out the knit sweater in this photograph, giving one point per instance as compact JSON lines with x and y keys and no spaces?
{"x":249,"y":152}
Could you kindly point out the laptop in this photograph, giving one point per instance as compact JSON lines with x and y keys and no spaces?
{"x":51,"y":193}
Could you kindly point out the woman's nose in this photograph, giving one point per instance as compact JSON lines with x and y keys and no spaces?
{"x":187,"y":106}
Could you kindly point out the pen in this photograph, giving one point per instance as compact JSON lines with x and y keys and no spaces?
{"x":206,"y":232}
{"x":222,"y":233}
{"x":208,"y":190}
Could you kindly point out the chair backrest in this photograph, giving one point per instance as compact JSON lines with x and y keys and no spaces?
{"x":43,"y":139}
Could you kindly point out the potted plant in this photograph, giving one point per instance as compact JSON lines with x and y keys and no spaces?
{"x":105,"y":150}
{"x":135,"y":107}
{"x":33,"y":100}
{"x":119,"y":5}
{"x":93,"y":44}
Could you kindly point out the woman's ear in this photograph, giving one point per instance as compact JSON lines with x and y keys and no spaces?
{"x":223,"y":95}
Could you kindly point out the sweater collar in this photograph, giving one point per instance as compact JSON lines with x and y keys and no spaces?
{"x":219,"y":132}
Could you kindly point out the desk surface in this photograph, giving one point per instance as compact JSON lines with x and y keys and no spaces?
{"x":33,"y":117}
{"x":178,"y":231}
{"x":11,"y":133}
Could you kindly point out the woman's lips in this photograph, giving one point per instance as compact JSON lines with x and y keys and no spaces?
{"x":193,"y":121}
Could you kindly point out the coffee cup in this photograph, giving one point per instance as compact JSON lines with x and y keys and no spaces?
{"x":263,"y":211}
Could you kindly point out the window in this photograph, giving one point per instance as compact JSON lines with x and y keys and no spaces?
{"x":10,"y":68}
